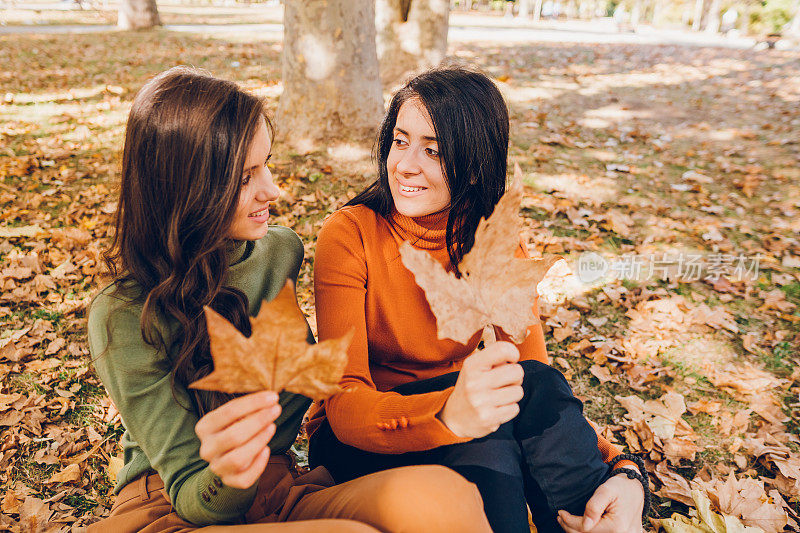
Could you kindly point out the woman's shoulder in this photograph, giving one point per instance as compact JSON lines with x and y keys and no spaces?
{"x":115,"y":319}
{"x":281,"y":238}
{"x":113,"y":299}
{"x":352,"y":219}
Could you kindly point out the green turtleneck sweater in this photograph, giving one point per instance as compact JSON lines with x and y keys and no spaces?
{"x":159,"y":432}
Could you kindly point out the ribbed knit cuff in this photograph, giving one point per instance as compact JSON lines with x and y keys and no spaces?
{"x":422,"y":430}
{"x":204,"y":499}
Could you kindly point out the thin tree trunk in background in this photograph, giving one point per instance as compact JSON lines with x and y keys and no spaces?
{"x":794,"y":27}
{"x":524,"y":11}
{"x":713,"y":21}
{"x":697,"y":19}
{"x":137,"y":15}
{"x":636,"y":13}
{"x":331,"y":88}
{"x":658,"y":12}
{"x":411,"y":36}
{"x":537,"y":9}
{"x":588,"y":9}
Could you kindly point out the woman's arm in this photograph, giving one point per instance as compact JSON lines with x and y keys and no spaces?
{"x":362,"y":416}
{"x":137,"y":378}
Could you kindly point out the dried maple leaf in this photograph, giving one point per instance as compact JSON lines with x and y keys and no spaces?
{"x":674,"y":486}
{"x":748,"y":500}
{"x":704,"y":520}
{"x":70,"y":473}
{"x":34,"y":515}
{"x":276,"y":356}
{"x":663,"y":415}
{"x":496,"y":288}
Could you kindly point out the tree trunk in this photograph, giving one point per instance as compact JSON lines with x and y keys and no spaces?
{"x":636,"y":13}
{"x":658,"y":12}
{"x":537,"y":9}
{"x":411,"y":36}
{"x":331,"y":88}
{"x":713,"y":21}
{"x":587,"y":9}
{"x":697,"y":20}
{"x":137,"y":15}
{"x":794,"y":27}
{"x":524,"y":10}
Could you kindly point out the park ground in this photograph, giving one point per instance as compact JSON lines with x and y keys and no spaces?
{"x":646,"y":154}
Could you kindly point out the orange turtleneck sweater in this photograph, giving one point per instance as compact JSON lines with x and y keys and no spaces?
{"x":360,"y":282}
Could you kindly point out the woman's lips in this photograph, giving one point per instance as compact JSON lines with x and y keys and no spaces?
{"x":408,"y":190}
{"x":260,"y":216}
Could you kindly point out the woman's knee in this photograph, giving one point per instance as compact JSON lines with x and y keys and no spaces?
{"x":431,"y":498}
{"x":340,"y":526}
{"x":544,"y":380}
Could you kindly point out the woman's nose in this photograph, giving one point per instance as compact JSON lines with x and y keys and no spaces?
{"x":409,"y":162}
{"x":267,"y":190}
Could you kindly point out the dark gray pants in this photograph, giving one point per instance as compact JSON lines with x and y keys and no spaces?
{"x":546,"y":457}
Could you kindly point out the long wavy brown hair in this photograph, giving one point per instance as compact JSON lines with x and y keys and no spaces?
{"x":187,"y":138}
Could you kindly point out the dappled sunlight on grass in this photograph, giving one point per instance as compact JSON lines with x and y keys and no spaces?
{"x":700,"y":353}
{"x":614,"y":114}
{"x":576,"y":187}
{"x":520,"y":94}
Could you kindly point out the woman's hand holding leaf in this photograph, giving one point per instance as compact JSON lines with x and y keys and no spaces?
{"x":234,"y":437}
{"x":486,"y":392}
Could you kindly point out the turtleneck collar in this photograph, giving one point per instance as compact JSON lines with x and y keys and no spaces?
{"x":238,"y":251}
{"x":426,"y":232}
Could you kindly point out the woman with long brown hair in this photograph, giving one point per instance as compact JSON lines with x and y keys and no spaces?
{"x":192,"y":230}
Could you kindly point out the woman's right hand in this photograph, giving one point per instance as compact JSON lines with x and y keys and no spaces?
{"x":234,"y":437}
{"x":486,"y":392}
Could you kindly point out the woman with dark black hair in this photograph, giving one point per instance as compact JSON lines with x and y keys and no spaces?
{"x":192,"y":230}
{"x":500,"y":416}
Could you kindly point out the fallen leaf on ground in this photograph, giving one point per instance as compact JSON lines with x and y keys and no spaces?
{"x":34,"y":515}
{"x":675,"y":487}
{"x":70,"y":473}
{"x":746,"y":498}
{"x":662,"y":415}
{"x":20,"y":231}
{"x":276,"y":356}
{"x":115,"y":464}
{"x":704,"y":520}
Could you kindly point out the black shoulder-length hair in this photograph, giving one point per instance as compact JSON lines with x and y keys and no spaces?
{"x":470,"y":120}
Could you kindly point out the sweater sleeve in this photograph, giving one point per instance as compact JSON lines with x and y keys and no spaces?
{"x":137,"y":378}
{"x":362,"y":416}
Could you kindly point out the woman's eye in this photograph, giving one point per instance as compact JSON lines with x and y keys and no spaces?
{"x":245,"y":179}
{"x":431,"y":152}
{"x":399,"y":142}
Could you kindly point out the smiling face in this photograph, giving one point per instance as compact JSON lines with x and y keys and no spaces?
{"x":258,"y":190}
{"x":416,"y":179}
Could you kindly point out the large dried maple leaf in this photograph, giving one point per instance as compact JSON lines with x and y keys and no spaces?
{"x":276,"y":356}
{"x":496,"y":288}
{"x":663,"y":416}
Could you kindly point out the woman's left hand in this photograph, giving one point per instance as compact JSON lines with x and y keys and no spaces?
{"x":615,"y":507}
